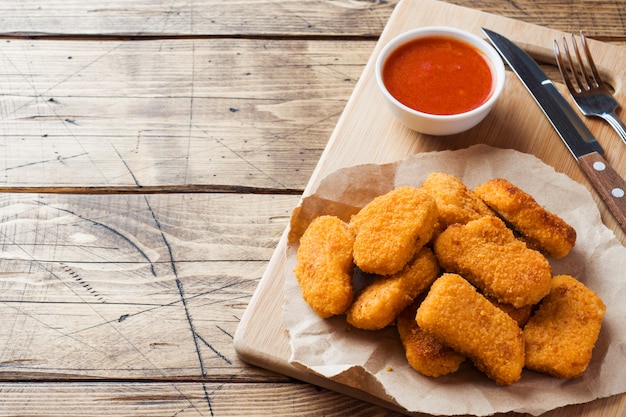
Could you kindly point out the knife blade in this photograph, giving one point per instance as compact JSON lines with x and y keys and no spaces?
{"x":609,"y":185}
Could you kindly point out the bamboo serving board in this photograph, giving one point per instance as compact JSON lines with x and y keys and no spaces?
{"x":367,"y":133}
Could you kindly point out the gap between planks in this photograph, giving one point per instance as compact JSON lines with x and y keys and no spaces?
{"x":155,"y":189}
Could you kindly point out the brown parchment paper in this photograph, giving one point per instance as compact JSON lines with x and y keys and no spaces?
{"x":374,"y":362}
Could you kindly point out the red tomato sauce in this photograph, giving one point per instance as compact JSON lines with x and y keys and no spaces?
{"x":438,"y":75}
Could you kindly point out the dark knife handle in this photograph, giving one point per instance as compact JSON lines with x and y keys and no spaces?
{"x":608,"y":183}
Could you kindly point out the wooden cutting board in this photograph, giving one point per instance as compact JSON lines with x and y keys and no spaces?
{"x":367,"y":133}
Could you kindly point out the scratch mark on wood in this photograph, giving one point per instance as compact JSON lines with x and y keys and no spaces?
{"x":162,"y":344}
{"x":225,"y":332}
{"x":207,"y":398}
{"x":140,"y":135}
{"x":110,"y":229}
{"x":151,"y":189}
{"x":191,"y":104}
{"x":82,"y":282}
{"x":44,"y":162}
{"x":253,"y":166}
{"x":130,"y":172}
{"x":224,"y":358}
{"x":181,"y":292}
{"x":18,"y":309}
{"x":17,"y":306}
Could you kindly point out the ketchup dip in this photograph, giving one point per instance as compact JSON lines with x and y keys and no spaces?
{"x":438,"y":75}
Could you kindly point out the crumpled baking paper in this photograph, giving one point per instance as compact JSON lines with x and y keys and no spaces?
{"x":374,"y":361}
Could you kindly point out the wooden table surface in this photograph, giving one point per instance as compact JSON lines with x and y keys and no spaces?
{"x":151,"y":153}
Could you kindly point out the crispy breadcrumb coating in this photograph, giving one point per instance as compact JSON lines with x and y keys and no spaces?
{"x":455,"y":202}
{"x":378,"y":305}
{"x":458,"y":316}
{"x":423,"y":352}
{"x":324,"y":266}
{"x":544,"y":230}
{"x":392,"y":228}
{"x":486,"y":253}
{"x":519,"y":314}
{"x":561,"y":335}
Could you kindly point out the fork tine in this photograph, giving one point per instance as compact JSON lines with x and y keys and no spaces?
{"x":591,"y":95}
{"x":580,"y":68}
{"x":563,"y":69}
{"x":592,"y":65}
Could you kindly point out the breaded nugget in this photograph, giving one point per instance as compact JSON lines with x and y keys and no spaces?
{"x":544,"y":230}
{"x":561,"y":335}
{"x":519,"y":314}
{"x":392,"y":228}
{"x":455,"y":202}
{"x":486,"y":253}
{"x":378,"y":305}
{"x":458,"y":316}
{"x":424,"y":353}
{"x":324,"y":266}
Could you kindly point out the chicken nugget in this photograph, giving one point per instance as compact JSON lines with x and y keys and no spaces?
{"x":561,"y":335}
{"x":324,"y":266}
{"x":380,"y":302}
{"x":392,"y":228}
{"x":544,"y":230}
{"x":487,"y":254}
{"x":458,"y":316}
{"x":423,"y":352}
{"x":519,"y":314}
{"x":455,"y":202}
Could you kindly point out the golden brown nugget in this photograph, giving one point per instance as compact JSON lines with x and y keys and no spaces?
{"x":324,"y":266}
{"x":561,"y":335}
{"x":423,"y":352}
{"x":378,"y":305}
{"x":458,"y":316}
{"x":544,"y":230}
{"x":519,"y":314}
{"x":455,"y":202}
{"x":487,"y":254}
{"x":392,"y":228}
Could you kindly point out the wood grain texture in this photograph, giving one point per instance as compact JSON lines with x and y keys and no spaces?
{"x":599,"y":19}
{"x":170,"y":141}
{"x":264,"y":18}
{"x":85,"y":113}
{"x":131,"y":287}
{"x":150,"y":399}
{"x":145,"y":18}
{"x":609,"y":184}
{"x":114,"y":399}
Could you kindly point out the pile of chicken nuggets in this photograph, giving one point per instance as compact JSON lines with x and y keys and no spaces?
{"x":462,"y":274}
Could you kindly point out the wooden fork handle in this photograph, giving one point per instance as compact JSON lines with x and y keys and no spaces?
{"x":608,"y":183}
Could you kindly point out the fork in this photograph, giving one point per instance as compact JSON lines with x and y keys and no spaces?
{"x":590,"y":94}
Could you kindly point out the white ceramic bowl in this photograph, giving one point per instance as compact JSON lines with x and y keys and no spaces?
{"x":441,"y":125}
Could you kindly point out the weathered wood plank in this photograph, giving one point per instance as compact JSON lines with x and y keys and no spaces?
{"x":222,"y":399}
{"x":599,"y":19}
{"x":196,"y":17}
{"x":164,"y":112}
{"x":363,"y":18}
{"x":185,"y":399}
{"x":131,"y":287}
{"x":167,"y":112}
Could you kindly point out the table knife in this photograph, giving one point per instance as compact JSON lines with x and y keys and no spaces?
{"x":579,"y":140}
